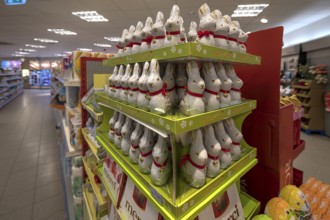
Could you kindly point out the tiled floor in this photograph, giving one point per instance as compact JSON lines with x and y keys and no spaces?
{"x":30,"y":174}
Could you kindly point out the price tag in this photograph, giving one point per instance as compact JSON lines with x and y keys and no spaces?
{"x":156,"y":196}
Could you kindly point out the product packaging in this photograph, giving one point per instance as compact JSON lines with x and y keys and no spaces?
{"x":76,"y":55}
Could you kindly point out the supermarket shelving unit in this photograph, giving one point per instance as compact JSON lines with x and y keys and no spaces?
{"x":11,"y":85}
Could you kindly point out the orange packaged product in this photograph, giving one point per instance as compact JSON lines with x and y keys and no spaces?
{"x":314,"y":202}
{"x":317,"y":216}
{"x":315,"y":187}
{"x":324,"y":188}
{"x":309,"y":182}
{"x":323,"y":206}
{"x":308,"y":195}
{"x":327,"y":194}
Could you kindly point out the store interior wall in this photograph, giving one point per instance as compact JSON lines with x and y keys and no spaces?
{"x":318,"y":52}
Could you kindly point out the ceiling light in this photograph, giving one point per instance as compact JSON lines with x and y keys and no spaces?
{"x":17,"y":55}
{"x":251,"y":10}
{"x":102,"y":45}
{"x":27,"y":50}
{"x":264,"y":20}
{"x":84,"y":49}
{"x":45,"y":40}
{"x":68,"y":52}
{"x":62,"y":32}
{"x":34,"y":46}
{"x":113,"y":39}
{"x":58,"y":55}
{"x":90,"y":16}
{"x":23,"y":53}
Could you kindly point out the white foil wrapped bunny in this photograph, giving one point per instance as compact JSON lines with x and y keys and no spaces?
{"x":241,"y":39}
{"x":137,"y":38}
{"x":169,"y":80}
{"x":235,"y":91}
{"x":236,"y":137}
{"x":207,"y":25}
{"x":212,"y":87}
{"x":193,"y":103}
{"x":213,"y":149}
{"x":192,"y":34}
{"x":118,"y":126}
{"x":181,"y":80}
{"x":159,"y":101}
{"x":232,"y":34}
{"x":111,"y":82}
{"x":146,"y":145}
{"x":112,"y":123}
{"x":121,"y":44}
{"x":124,"y":84}
{"x":183,"y":35}
{"x":128,"y":40}
{"x":193,"y":165}
{"x":146,"y":35}
{"x":226,"y":84}
{"x":173,"y":27}
{"x":134,"y":151}
{"x":126,"y":132}
{"x":158,"y":32}
{"x":221,"y":30}
{"x":161,"y":166}
{"x":133,"y":91}
{"x":117,"y":81}
{"x":225,"y":142}
{"x":143,"y":98}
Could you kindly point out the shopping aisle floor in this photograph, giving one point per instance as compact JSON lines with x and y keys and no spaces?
{"x":30,"y":169}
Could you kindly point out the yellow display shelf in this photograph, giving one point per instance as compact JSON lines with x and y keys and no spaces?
{"x":250,"y":205}
{"x":95,"y":186}
{"x":97,"y":116}
{"x":88,"y":202}
{"x":91,"y":143}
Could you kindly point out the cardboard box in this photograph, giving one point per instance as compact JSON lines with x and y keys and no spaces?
{"x":225,"y":206}
{"x":134,"y":205}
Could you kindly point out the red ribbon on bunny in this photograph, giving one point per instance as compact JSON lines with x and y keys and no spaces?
{"x":232,"y":39}
{"x":204,"y":33}
{"x":193,"y":93}
{"x":212,"y":157}
{"x":119,"y":47}
{"x":211,"y":92}
{"x":225,"y":150}
{"x":187,"y":158}
{"x":220,"y":36}
{"x":172,"y":32}
{"x":146,"y":154}
{"x":162,"y":90}
{"x":147,"y":39}
{"x":236,"y":90}
{"x":160,"y":165}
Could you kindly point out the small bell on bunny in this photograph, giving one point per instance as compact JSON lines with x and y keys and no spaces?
{"x":118,"y":126}
{"x":133,"y":91}
{"x":193,"y":103}
{"x":181,"y":81}
{"x":117,"y":82}
{"x":124,"y":84}
{"x":128,"y":41}
{"x":207,"y":25}
{"x":226,"y":84}
{"x":111,"y":82}
{"x":143,"y":98}
{"x":192,"y":34}
{"x":221,"y":30}
{"x":169,"y":80}
{"x":241,"y":39}
{"x":134,"y":151}
{"x":225,"y":142}
{"x":193,"y":165}
{"x":112,"y":123}
{"x":213,"y":149}
{"x":159,"y":100}
{"x":146,"y":35}
{"x":173,"y":27}
{"x":126,"y":132}
{"x":146,"y":145}
{"x":161,"y":166}
{"x":121,"y":44}
{"x":235,"y":91}
{"x":232,"y":34}
{"x":158,"y":32}
{"x":137,"y":38}
{"x":236,"y":137}
{"x":212,"y":87}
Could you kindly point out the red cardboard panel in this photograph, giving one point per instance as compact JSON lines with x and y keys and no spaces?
{"x":261,"y":82}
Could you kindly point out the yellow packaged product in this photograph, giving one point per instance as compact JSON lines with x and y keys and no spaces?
{"x":279,"y":209}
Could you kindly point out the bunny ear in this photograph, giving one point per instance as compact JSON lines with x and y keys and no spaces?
{"x":160,"y":17}
{"x":175,"y":12}
{"x":216,"y":14}
{"x":204,"y":10}
{"x":227,"y":19}
{"x":139,"y":25}
{"x":131,"y":29}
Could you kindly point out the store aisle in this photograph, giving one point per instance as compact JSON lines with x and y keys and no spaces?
{"x":315,"y":159}
{"x":30,"y":174}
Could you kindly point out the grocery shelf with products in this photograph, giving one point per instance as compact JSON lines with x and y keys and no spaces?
{"x":11,"y":85}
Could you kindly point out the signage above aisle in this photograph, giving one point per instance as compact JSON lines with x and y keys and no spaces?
{"x":15,"y":2}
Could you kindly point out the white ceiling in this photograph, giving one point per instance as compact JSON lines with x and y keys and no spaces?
{"x":21,"y":24}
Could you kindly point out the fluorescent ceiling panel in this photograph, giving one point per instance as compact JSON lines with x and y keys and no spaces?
{"x":102,"y":45}
{"x":62,"y":32}
{"x":27,"y":50}
{"x":45,"y":40}
{"x":250,"y":10}
{"x":84,"y":49}
{"x":90,"y":16}
{"x":113,"y":39}
{"x":34,"y":46}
